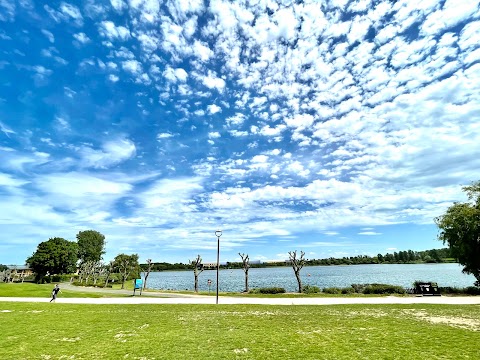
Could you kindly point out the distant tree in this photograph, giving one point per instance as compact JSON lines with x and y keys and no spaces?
{"x":91,"y":246}
{"x":197,"y":270}
{"x":245,"y":266}
{"x":459,"y":227}
{"x":297,"y":265}
{"x":126,"y":265}
{"x":55,"y":256}
{"x":380,"y":258}
{"x":3,"y":267}
{"x":147,"y":271}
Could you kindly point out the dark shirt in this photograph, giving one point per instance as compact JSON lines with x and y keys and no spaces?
{"x":55,"y":291}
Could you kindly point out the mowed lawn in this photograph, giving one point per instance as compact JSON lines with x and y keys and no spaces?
{"x":71,"y":331}
{"x":43,"y":290}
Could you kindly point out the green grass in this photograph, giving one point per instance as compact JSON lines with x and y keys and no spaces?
{"x":70,"y":331}
{"x":40,"y":290}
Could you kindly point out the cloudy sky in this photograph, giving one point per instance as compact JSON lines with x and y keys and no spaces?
{"x":333,"y":127}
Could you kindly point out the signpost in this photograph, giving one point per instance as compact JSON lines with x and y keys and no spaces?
{"x":209,"y":285}
{"x":137,"y":284}
{"x":218,"y":233}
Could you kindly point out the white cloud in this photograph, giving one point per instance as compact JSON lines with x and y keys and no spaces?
{"x":118,"y":5}
{"x":132,"y":66}
{"x":369,"y":233}
{"x":113,"y":32}
{"x":202,"y":51}
{"x":82,"y":38}
{"x":113,"y":152}
{"x":213,"y":82}
{"x":213,"y":109}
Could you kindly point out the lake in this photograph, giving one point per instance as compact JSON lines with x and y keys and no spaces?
{"x":321,"y":276}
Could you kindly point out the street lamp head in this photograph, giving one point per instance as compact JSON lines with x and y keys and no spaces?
{"x":218,"y":233}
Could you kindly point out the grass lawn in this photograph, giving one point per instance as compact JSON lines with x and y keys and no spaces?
{"x":40,"y":290}
{"x":70,"y":331}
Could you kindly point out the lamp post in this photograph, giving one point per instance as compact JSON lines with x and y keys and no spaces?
{"x":218,"y":233}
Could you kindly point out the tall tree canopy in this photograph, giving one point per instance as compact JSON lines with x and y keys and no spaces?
{"x":460,"y":228}
{"x":55,"y":256}
{"x":91,"y":246}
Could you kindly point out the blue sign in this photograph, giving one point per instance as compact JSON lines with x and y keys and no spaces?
{"x":138,"y":283}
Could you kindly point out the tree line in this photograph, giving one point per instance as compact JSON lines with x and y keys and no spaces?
{"x":400,"y":257}
{"x":84,"y":257}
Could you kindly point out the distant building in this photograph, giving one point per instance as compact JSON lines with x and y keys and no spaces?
{"x":18,"y":272}
{"x":212,"y":265}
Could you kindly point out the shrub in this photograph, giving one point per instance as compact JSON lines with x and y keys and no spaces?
{"x":309,"y":289}
{"x":271,"y":290}
{"x":332,"y":290}
{"x":358,"y":288}
{"x":472,"y":290}
{"x":383,"y":289}
{"x":348,"y":290}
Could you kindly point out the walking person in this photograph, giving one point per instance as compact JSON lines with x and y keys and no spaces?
{"x":55,"y":292}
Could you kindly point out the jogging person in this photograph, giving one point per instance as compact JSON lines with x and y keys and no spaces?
{"x":55,"y":292}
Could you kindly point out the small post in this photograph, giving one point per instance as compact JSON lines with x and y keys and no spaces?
{"x":218,"y":233}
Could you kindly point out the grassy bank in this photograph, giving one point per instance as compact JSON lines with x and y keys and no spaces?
{"x":40,"y":290}
{"x":67,"y":331}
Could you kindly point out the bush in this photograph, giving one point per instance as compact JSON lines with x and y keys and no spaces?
{"x":269,"y":290}
{"x":332,"y":290}
{"x":348,"y":290}
{"x":472,"y":290}
{"x":358,"y":288}
{"x":383,"y":289}
{"x":309,"y":289}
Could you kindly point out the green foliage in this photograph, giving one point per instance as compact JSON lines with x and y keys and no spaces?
{"x":55,"y":256}
{"x":91,"y":245}
{"x":127,"y":266}
{"x":3,"y":267}
{"x":348,"y":290}
{"x":309,"y":289}
{"x":470,"y":290}
{"x":459,"y":227}
{"x":332,"y":290}
{"x":267,"y":290}
{"x":383,"y":289}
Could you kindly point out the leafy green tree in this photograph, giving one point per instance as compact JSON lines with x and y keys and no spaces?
{"x":126,"y":265}
{"x":91,"y":246}
{"x":460,"y":228}
{"x":55,"y":256}
{"x":3,"y":267}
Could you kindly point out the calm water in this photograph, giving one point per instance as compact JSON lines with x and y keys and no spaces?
{"x":321,"y":276}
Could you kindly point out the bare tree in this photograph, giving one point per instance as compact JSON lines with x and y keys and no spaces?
{"x":197,"y":270}
{"x":246,"y":266}
{"x":149,"y":268}
{"x":297,"y":265}
{"x":97,"y":270}
{"x":109,"y":268}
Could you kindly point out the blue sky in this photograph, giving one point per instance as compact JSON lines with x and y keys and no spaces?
{"x":334,"y":127}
